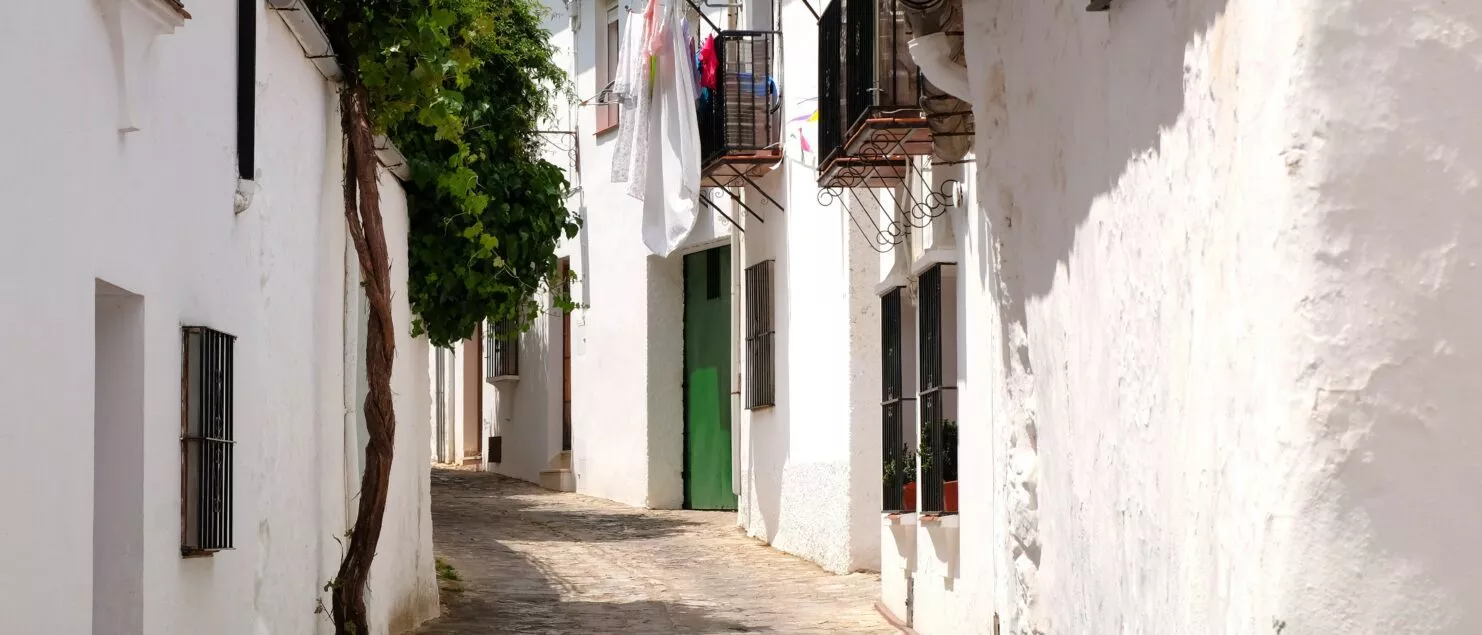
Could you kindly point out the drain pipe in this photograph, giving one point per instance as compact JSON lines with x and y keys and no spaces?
{"x":932,"y":51}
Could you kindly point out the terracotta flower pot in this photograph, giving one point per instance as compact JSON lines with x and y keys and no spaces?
{"x":949,"y":497}
{"x":910,"y":491}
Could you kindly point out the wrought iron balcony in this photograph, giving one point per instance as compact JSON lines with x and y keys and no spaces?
{"x":870,"y":104}
{"x":740,"y":122}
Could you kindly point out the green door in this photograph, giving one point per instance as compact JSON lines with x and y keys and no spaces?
{"x":707,"y":380}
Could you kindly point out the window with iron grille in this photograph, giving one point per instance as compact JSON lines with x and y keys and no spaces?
{"x":761,"y":375}
{"x":501,"y":350}
{"x":938,"y":400}
{"x":897,"y":465}
{"x":206,"y":442}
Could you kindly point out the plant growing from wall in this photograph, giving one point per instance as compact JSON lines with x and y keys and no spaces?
{"x":459,"y":86}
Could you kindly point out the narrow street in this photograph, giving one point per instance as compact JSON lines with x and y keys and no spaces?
{"x":528,"y":560}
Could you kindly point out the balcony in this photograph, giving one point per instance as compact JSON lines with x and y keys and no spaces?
{"x":870,"y":106}
{"x":740,"y":122}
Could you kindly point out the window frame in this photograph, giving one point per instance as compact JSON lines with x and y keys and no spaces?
{"x":501,"y":351}
{"x":761,"y":356}
{"x":608,"y":49}
{"x":207,"y":433}
{"x":937,"y":395}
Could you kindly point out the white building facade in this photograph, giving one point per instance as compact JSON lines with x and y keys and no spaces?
{"x":1196,"y":298}
{"x":133,"y":216}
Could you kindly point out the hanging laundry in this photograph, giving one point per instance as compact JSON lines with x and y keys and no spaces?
{"x":708,"y":63}
{"x":631,"y":86}
{"x":672,"y":190}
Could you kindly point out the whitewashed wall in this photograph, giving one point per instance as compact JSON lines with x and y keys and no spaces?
{"x":1219,"y":299}
{"x":626,"y":346}
{"x":810,"y":466}
{"x":151,"y":213}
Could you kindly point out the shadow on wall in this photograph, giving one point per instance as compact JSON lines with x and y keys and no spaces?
{"x":1118,"y":95}
{"x":526,"y":433}
{"x":1067,"y":102}
{"x":508,"y":593}
{"x":770,"y":432}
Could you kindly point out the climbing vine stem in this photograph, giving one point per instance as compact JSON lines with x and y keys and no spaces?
{"x":460,"y":86}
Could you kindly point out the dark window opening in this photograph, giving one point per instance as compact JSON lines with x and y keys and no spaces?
{"x":206,"y":442}
{"x":938,"y":400}
{"x":501,"y":350}
{"x":712,"y":274}
{"x":761,"y":376}
{"x":898,"y":464}
{"x":564,"y":271}
{"x":246,"y":88}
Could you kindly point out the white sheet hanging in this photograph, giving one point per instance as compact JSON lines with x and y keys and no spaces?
{"x":634,"y":95}
{"x":672,"y":191}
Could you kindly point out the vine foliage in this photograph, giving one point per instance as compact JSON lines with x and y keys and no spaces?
{"x":460,"y":86}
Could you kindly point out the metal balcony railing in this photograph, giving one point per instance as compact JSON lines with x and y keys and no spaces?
{"x":869,"y":94}
{"x":740,"y":121}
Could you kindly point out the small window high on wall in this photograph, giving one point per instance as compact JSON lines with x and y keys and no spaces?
{"x":207,"y":441}
{"x":501,"y":351}
{"x":609,"y":39}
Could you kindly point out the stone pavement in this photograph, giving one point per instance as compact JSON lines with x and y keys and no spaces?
{"x":533,"y":561}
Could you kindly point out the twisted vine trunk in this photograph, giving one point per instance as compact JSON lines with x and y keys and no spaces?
{"x":363,"y":216}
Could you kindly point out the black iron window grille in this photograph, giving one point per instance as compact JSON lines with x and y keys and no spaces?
{"x":761,"y":372}
{"x":897,"y":460}
{"x":501,"y":350}
{"x":741,"y":116}
{"x":865,"y":69}
{"x":938,"y":448}
{"x":831,"y":79}
{"x":206,"y":442}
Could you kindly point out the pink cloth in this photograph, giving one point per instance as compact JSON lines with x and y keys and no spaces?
{"x":708,"y":63}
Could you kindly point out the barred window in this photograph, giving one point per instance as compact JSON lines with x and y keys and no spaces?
{"x":761,"y":376}
{"x":501,"y":351}
{"x":206,"y":442}
{"x":938,"y":396}
{"x":898,"y":465}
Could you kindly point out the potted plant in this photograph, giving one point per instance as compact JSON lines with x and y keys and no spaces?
{"x":902,"y":467}
{"x":948,"y":457}
{"x":949,"y":465}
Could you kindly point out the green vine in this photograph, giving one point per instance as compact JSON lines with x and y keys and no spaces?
{"x":461,"y":87}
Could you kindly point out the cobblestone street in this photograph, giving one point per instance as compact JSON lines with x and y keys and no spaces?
{"x":528,"y":560}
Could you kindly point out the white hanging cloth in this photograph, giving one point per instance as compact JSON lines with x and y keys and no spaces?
{"x":655,"y":84}
{"x":672,"y":194}
{"x":632,"y":90}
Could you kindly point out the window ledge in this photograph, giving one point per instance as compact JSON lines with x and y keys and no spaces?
{"x":898,"y":518}
{"x":605,"y":130}
{"x":944,"y":519}
{"x":504,"y":379}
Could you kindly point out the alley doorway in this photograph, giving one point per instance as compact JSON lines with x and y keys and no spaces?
{"x":565,"y":273}
{"x":707,"y":380}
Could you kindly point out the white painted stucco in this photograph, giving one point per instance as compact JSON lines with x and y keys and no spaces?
{"x":807,"y":473}
{"x":1218,"y":297}
{"x":150,"y":212}
{"x":625,"y":361}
